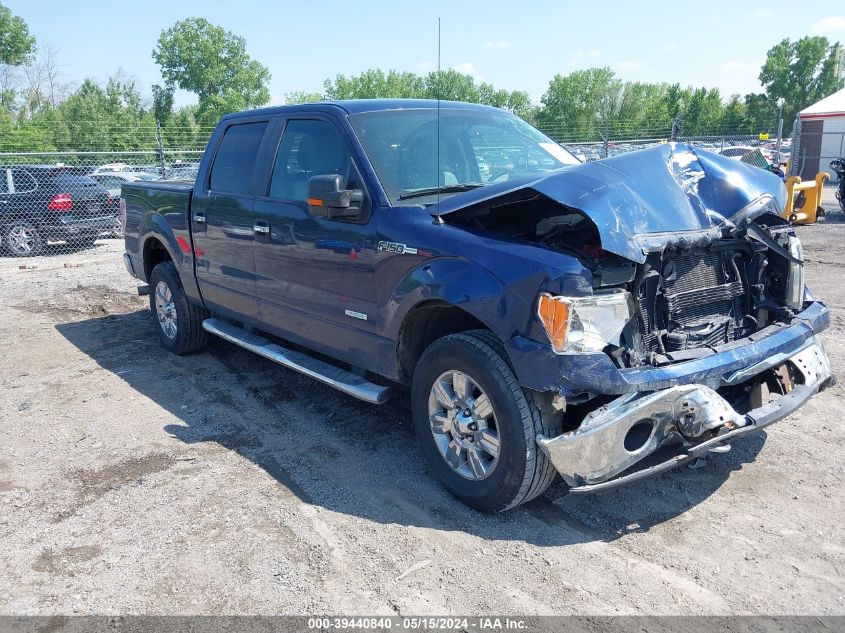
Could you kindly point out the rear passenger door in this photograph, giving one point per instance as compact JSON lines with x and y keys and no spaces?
{"x":222,"y":223}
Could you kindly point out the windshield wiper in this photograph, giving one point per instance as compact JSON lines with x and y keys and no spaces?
{"x":430,"y":191}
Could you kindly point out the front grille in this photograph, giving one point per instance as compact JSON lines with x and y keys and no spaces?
{"x":694,"y":300}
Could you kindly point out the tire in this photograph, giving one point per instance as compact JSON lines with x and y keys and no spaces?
{"x":22,"y":239}
{"x":520,"y":471}
{"x":184,"y":334}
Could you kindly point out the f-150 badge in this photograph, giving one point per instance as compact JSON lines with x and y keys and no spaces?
{"x":393,"y":247}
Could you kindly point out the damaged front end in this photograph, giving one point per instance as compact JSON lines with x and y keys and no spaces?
{"x":699,"y":328}
{"x":684,"y":421}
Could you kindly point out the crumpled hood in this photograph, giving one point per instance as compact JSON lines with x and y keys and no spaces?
{"x":642,"y":200}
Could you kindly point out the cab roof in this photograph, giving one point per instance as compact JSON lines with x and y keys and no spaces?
{"x":358,"y":106}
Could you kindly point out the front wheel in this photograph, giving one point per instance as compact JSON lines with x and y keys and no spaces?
{"x":476,"y":425}
{"x":178,"y":322}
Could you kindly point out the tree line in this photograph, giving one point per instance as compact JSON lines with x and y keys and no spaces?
{"x":40,"y":111}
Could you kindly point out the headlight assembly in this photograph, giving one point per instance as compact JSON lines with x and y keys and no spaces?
{"x":795,"y":277}
{"x":585,"y":324}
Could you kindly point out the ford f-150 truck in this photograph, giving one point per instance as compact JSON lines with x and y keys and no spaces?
{"x":603,"y":321}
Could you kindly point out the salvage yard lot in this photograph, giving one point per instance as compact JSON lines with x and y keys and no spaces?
{"x":133,"y":481}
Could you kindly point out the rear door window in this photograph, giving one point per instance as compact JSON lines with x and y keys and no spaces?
{"x":235,"y":160}
{"x":23,"y":181}
{"x":71,"y":183}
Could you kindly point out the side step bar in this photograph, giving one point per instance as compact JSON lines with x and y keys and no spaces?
{"x":340,"y":379}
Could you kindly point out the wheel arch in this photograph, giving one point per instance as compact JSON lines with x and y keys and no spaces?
{"x":444,"y":297}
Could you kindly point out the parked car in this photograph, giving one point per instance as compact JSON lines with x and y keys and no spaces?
{"x":122,"y":168}
{"x":40,"y":204}
{"x":113,"y":181}
{"x":736,"y":151}
{"x":605,"y":321}
{"x":181,"y":173}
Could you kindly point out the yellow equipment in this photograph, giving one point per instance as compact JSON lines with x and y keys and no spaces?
{"x":810,"y":209}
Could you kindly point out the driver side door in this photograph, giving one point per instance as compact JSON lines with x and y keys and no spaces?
{"x":315,"y":276}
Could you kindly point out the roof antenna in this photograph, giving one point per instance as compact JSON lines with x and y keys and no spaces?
{"x":437,"y":218}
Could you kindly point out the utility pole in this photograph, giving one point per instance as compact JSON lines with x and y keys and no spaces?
{"x":160,"y":148}
{"x":780,"y":129}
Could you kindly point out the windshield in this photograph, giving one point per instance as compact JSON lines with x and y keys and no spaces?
{"x":477,"y":148}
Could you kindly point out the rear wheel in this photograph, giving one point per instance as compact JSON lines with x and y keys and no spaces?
{"x":22,"y":239}
{"x":476,"y":425}
{"x":178,"y":321}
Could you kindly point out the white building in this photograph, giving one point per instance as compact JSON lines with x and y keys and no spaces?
{"x":822,"y":135}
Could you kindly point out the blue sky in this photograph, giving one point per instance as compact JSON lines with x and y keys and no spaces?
{"x":519,"y":44}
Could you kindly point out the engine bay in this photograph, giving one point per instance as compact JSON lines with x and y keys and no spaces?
{"x":689,"y":298}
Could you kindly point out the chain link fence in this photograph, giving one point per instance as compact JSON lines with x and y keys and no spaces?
{"x":68,"y":201}
{"x":619,"y":139}
{"x":60,"y":202}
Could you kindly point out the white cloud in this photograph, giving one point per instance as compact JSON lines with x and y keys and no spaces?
{"x":734,"y":66}
{"x":466,"y":68}
{"x":629,"y":64}
{"x":426,"y":66}
{"x":831,"y":23}
{"x":762,"y":13}
{"x":670,"y":47}
{"x":498,"y":44}
{"x":593,"y":54}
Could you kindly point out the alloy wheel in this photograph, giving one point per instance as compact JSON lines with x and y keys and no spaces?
{"x":463,"y":424}
{"x":165,"y":310}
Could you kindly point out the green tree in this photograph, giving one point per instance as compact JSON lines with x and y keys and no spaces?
{"x":580,"y":105}
{"x":735,"y":116}
{"x":202,"y":58}
{"x":16,"y":44}
{"x":800,"y":72}
{"x":375,"y":84}
{"x":702,"y":111}
{"x":301,"y":96}
{"x":163,"y":102}
{"x":448,"y":85}
{"x":761,"y":113}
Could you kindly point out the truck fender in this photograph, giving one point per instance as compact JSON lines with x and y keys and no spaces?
{"x":178,"y":247}
{"x":454,"y":281}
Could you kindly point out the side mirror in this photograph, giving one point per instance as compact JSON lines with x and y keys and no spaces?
{"x":328,"y":197}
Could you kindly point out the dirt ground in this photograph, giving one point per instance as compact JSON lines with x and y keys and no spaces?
{"x":134,"y":481}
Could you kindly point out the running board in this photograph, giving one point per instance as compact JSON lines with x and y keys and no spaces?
{"x":340,"y":379}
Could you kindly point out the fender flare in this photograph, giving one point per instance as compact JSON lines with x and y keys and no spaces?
{"x":155,"y":226}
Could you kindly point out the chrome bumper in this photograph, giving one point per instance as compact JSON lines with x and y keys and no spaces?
{"x":613,"y":438}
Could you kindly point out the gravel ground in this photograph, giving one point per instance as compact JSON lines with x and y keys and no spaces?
{"x":133,"y":481}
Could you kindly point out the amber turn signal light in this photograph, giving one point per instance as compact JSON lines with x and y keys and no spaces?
{"x":554,"y":315}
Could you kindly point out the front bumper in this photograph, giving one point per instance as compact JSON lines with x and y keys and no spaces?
{"x":537,"y":367}
{"x":693,"y":417}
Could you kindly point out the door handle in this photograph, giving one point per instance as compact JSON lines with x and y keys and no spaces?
{"x":262,"y":228}
{"x":199,"y":217}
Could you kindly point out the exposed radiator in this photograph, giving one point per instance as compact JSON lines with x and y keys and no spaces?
{"x":695,"y":302}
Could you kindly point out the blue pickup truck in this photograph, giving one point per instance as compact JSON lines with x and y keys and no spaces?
{"x":601,"y":322}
